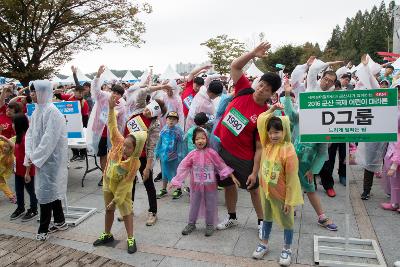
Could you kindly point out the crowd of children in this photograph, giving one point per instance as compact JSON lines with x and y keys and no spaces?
{"x":250,"y":141}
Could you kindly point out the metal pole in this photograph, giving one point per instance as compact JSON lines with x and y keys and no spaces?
{"x":347,"y":195}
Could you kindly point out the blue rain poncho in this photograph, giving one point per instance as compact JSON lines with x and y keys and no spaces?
{"x":46,"y":145}
{"x":170,"y":150}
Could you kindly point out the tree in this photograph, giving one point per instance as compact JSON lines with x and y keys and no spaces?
{"x":37,"y":36}
{"x":223,"y":51}
{"x":287,"y":55}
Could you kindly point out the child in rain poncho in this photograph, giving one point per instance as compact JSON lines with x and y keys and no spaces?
{"x":280,"y":189}
{"x":46,"y":147}
{"x":6,"y":167}
{"x":201,"y":165}
{"x":122,"y":166}
{"x":170,"y":152}
{"x":311,"y":156}
{"x":391,"y":173}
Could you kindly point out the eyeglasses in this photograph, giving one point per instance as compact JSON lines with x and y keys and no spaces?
{"x":327,"y":80}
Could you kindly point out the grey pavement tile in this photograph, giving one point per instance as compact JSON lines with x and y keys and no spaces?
{"x":309,"y":225}
{"x":150,"y":235}
{"x":221,"y":242}
{"x":305,"y":251}
{"x":179,"y":262}
{"x":136,"y":259}
{"x":90,"y":201}
{"x":388,"y":234}
{"x":248,"y":241}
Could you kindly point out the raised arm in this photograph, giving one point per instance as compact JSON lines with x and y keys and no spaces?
{"x":239,"y":63}
{"x":115,"y":135}
{"x":196,"y":71}
{"x":74,"y":70}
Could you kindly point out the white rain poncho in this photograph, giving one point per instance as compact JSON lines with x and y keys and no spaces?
{"x":46,"y":145}
{"x":99,"y":115}
{"x":313,"y":85}
{"x":173,"y":103}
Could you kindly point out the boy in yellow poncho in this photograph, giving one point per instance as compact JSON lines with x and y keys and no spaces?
{"x":122,"y":166}
{"x":6,"y":167}
{"x":280,"y":189}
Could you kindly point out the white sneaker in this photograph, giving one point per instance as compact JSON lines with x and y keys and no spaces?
{"x":260,"y":251}
{"x":227,"y":223}
{"x":286,"y":257}
{"x":260,"y":226}
{"x":42,"y":236}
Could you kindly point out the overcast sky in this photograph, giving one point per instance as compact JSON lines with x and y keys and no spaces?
{"x":176,"y":28}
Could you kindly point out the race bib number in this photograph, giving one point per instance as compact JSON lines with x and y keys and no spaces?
{"x":271,"y":172}
{"x":136,"y":124}
{"x":188,"y":101}
{"x":235,"y":121}
{"x":203,"y":175}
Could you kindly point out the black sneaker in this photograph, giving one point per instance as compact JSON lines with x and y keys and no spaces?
{"x":103,"y":239}
{"x":58,"y":227}
{"x":188,"y":229}
{"x":29,"y":215}
{"x":16,"y":214}
{"x":158,"y":177}
{"x":131,"y":245}
{"x":365,"y":195}
{"x":177,"y":194}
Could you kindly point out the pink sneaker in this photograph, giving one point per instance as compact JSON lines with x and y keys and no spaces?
{"x":389,"y":206}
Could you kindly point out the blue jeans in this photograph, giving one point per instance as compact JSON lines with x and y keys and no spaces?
{"x":287,"y":233}
{"x":19,"y":191}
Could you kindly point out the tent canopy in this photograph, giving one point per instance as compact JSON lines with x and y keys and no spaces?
{"x":170,"y":74}
{"x":129,"y":77}
{"x":108,"y":76}
{"x":81,"y":78}
{"x":254,"y":71}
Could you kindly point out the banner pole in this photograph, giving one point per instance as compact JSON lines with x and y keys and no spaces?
{"x":347,"y":195}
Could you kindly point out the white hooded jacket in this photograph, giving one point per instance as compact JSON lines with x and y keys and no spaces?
{"x":46,"y":146}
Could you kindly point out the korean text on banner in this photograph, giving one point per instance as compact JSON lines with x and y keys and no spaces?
{"x":72,"y":113}
{"x":349,"y":116}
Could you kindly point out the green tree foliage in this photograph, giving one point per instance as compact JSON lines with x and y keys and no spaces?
{"x":366,"y":32}
{"x":288,"y":55}
{"x":223,"y":50}
{"x":37,"y":36}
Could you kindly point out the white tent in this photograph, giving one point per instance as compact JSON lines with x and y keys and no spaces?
{"x":129,"y":77}
{"x":81,"y":78}
{"x":108,"y":76}
{"x":170,"y":74}
{"x":254,"y":71}
{"x":55,"y":79}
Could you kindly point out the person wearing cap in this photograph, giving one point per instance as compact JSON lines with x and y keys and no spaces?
{"x":203,"y":101}
{"x":170,"y":152}
{"x":144,"y":117}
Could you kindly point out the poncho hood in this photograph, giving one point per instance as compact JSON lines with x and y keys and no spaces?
{"x":44,"y":92}
{"x":140,"y":141}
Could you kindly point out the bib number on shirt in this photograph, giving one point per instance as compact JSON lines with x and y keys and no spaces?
{"x":203,"y":175}
{"x":271,"y":176}
{"x":235,"y":121}
{"x":136,"y":124}
{"x":188,"y":101}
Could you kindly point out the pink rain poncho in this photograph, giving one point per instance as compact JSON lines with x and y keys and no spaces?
{"x":173,"y":103}
{"x":99,"y":115}
{"x":201,"y":165}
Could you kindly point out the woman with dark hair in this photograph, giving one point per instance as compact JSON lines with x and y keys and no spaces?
{"x":24,"y":176}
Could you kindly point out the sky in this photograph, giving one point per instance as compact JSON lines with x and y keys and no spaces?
{"x":175,"y":29}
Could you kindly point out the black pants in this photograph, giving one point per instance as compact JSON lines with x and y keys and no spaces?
{"x":45,"y":215}
{"x":368,"y":180}
{"x":149,"y":185}
{"x":327,"y":170}
{"x":19,"y":191}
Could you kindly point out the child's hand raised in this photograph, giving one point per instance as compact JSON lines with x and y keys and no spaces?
{"x":277,"y":106}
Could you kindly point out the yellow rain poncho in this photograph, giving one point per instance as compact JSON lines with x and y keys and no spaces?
{"x":119,"y":174}
{"x":280,"y":184}
{"x":6,"y":167}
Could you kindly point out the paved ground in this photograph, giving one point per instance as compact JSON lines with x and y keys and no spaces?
{"x":163,"y":244}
